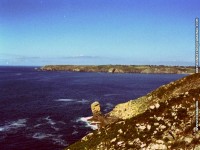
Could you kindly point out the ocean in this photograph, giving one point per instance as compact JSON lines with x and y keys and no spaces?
{"x":46,"y":110}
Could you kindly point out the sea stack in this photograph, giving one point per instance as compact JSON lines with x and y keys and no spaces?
{"x":99,"y":118}
{"x":96,"y":109}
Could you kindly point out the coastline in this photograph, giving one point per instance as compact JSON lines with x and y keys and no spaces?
{"x":146,"y":69}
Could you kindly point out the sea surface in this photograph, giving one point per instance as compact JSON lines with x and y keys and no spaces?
{"x":47,"y":110}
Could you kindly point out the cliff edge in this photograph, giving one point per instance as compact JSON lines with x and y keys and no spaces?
{"x":163,"y":119}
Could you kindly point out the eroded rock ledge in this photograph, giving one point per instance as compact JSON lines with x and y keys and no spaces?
{"x":163,"y":119}
{"x":121,"y":68}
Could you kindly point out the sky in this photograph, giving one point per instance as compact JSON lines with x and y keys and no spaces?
{"x":97,"y":32}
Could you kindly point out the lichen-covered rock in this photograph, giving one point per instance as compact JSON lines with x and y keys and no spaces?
{"x":96,"y":109}
{"x":197,"y":147}
{"x":153,"y":146}
{"x":188,"y":140}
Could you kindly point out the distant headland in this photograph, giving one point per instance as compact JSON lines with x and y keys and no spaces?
{"x":157,"y":69}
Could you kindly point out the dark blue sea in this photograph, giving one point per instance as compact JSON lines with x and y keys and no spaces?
{"x":46,"y":110}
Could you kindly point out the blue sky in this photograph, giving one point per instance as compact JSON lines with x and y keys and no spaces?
{"x":40,"y":32}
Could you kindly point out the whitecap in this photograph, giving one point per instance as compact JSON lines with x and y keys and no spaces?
{"x":56,"y":129}
{"x":84,"y":119}
{"x":72,"y":100}
{"x":13,"y":125}
{"x":88,"y":123}
{"x":41,"y":136}
{"x":83,"y":101}
{"x":37,"y":125}
{"x":2,"y":129}
{"x":74,"y":132}
{"x":49,"y":120}
{"x":65,"y":100}
{"x":106,"y":95}
{"x":59,"y":141}
{"x":18,"y":123}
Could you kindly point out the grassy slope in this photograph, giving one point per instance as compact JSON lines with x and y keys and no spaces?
{"x":176,"y":97}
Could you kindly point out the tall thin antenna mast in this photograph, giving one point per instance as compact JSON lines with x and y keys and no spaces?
{"x":197,"y":69}
{"x":196,"y":45}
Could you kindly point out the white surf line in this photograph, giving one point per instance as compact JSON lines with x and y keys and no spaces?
{"x":88,"y":123}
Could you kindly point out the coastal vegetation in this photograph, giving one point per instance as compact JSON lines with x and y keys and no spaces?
{"x":163,"y":119}
{"x":121,"y":68}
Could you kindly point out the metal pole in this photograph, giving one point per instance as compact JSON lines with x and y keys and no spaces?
{"x":196,"y":45}
{"x":197,"y":69}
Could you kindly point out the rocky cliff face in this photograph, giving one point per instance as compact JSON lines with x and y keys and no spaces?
{"x":163,"y":119}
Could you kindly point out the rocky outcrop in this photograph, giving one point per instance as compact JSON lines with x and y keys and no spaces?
{"x":96,"y":110}
{"x":111,"y":70}
{"x":100,"y":119}
{"x":115,"y":70}
{"x":152,"y":100}
{"x":163,"y":119}
{"x":121,"y":68}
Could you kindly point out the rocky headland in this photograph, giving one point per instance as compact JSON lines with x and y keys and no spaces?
{"x":121,"y":68}
{"x":163,"y":119}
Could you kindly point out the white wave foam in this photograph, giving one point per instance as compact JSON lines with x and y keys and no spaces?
{"x":37,"y":125}
{"x":55,"y":138}
{"x":106,"y":95}
{"x":59,"y":141}
{"x":13,"y":125}
{"x":19,"y":123}
{"x":83,"y":101}
{"x":88,"y":124}
{"x":56,"y":129}
{"x":41,"y":136}
{"x":74,"y":132}
{"x":49,"y":120}
{"x":84,"y":119}
{"x":72,"y":100}
{"x":1,"y":129}
{"x":65,"y":100}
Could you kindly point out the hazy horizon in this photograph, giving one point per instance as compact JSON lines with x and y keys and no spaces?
{"x":97,"y":32}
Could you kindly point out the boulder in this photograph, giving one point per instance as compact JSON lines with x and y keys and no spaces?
{"x":118,"y":71}
{"x":111,"y":70}
{"x":197,"y":147}
{"x":153,"y":146}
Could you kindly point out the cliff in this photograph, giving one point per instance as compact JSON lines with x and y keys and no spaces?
{"x":163,"y":119}
{"x":121,"y":68}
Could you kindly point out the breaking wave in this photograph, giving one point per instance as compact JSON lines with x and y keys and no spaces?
{"x":87,"y":123}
